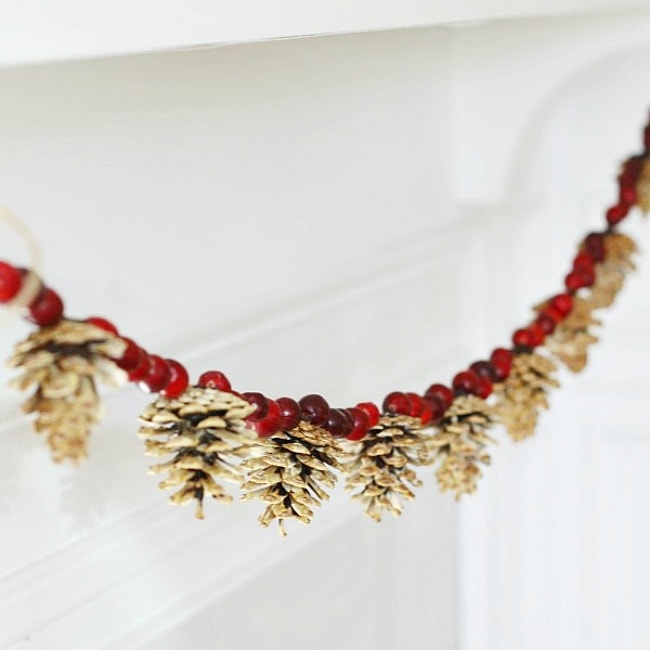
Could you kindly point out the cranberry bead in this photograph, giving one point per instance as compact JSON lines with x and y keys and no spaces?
{"x":102,"y":324}
{"x":537,"y":334}
{"x":579,"y":279}
{"x":397,"y":402}
{"x":483,"y":369}
{"x":546,"y":323}
{"x":483,"y":387}
{"x":11,"y":280}
{"x":314,"y":409}
{"x":289,"y":411}
{"x":360,"y":423}
{"x":562,"y":303}
{"x":131,"y":357}
{"x":583,"y":261}
{"x":142,"y":369}
{"x":438,"y":407}
{"x":595,"y":246}
{"x":270,"y":424}
{"x":372,"y":411}
{"x":627,"y":195}
{"x":215,"y":379}
{"x":158,"y":376}
{"x":502,"y":369}
{"x":441,"y":392}
{"x":501,"y":354}
{"x":416,"y":404}
{"x":465,"y":382}
{"x":617,"y":213}
{"x":426,"y":413}
{"x":339,"y":423}
{"x":178,"y":381}
{"x":523,"y":338}
{"x":47,"y":308}
{"x":262,"y":404}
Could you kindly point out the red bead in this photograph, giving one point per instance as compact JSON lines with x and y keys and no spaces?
{"x":360,"y":423}
{"x":562,"y":303}
{"x":314,"y":409}
{"x":501,"y":354}
{"x":397,"y":402}
{"x":416,"y":404}
{"x":617,"y":213}
{"x":261,"y":402}
{"x":627,"y":195}
{"x":523,"y":338}
{"x":646,"y":138}
{"x":595,"y":245}
{"x":438,"y":407}
{"x":502,"y":369}
{"x":442,"y":392}
{"x":582,"y":261}
{"x":579,"y":279}
{"x":158,"y":376}
{"x":546,"y":323}
{"x":142,"y":369}
{"x":465,"y":382}
{"x":102,"y":324}
{"x":270,"y":424}
{"x":372,"y":411}
{"x":215,"y":379}
{"x":131,"y":357}
{"x":11,"y":280}
{"x":630,"y":170}
{"x":483,"y":388}
{"x":483,"y":369}
{"x":339,"y":423}
{"x":179,"y":380}
{"x":47,"y":308}
{"x":290,"y":412}
{"x":553,"y":314}
{"x":537,"y":334}
{"x":427,"y":412}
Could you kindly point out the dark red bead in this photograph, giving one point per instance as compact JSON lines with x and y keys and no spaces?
{"x":483,"y":388}
{"x":158,"y":376}
{"x":270,"y":424}
{"x":442,"y":392}
{"x":397,"y":402}
{"x":617,"y":213}
{"x":554,"y":314}
{"x":142,"y":369}
{"x":465,"y":382}
{"x":646,"y":138}
{"x":131,"y":357}
{"x":562,"y":303}
{"x":314,"y":409}
{"x":502,"y":369}
{"x":483,"y":369}
{"x":595,"y":245}
{"x":360,"y":423}
{"x":427,"y":412}
{"x":501,"y":354}
{"x":523,"y":338}
{"x":11,"y":280}
{"x":546,"y":322}
{"x":537,"y":333}
{"x":579,"y":279}
{"x":102,"y":324}
{"x":582,"y":261}
{"x":339,"y":423}
{"x":290,"y":412}
{"x":258,"y":400}
{"x":416,"y":404}
{"x":215,"y":379}
{"x":627,"y":195}
{"x":438,"y":407}
{"x":47,"y":308}
{"x":372,"y":411}
{"x":179,"y":380}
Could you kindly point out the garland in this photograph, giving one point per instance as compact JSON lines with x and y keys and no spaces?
{"x":287,"y":453}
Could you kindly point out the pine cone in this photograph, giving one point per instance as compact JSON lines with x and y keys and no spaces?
{"x":524,"y":393}
{"x":572,"y":337}
{"x":643,"y":186}
{"x":611,"y":272}
{"x":63,"y":361}
{"x":204,"y":429}
{"x":290,"y":471}
{"x":381,"y":466}
{"x":461,"y":442}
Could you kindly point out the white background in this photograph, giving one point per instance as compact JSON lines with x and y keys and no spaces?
{"x":347,"y":215}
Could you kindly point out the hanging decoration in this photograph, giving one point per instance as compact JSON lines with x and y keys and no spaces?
{"x":288,"y":454}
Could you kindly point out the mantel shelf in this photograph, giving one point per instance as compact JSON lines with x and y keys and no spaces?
{"x":41,"y":31}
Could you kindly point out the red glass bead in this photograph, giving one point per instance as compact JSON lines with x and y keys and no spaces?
{"x":427,"y":412}
{"x":554,"y":314}
{"x":339,"y":423}
{"x":215,"y":379}
{"x":442,"y":392}
{"x":131,"y":357}
{"x":595,"y":245}
{"x":630,"y":170}
{"x":11,"y":280}
{"x":627,"y":195}
{"x":290,"y":412}
{"x":179,"y":380}
{"x":562,"y":303}
{"x":270,"y":424}
{"x":501,"y":354}
{"x":314,"y":409}
{"x":502,"y":369}
{"x":397,"y":402}
{"x":523,"y":338}
{"x":617,"y":213}
{"x":360,"y":423}
{"x":465,"y":382}
{"x":158,"y":376}
{"x":646,"y":138}
{"x":483,"y":388}
{"x":579,"y":279}
{"x":583,"y":260}
{"x":142,"y":369}
{"x":438,"y":407}
{"x":483,"y":369}
{"x":102,"y":324}
{"x":537,"y":334}
{"x":416,"y":404}
{"x":546,"y":322}
{"x":47,"y":308}
{"x":261,"y":402}
{"x":372,"y":411}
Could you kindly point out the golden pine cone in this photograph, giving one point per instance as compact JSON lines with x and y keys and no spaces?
{"x":63,"y":362}
{"x":204,"y":430}
{"x":612,"y":271}
{"x":289,"y":471}
{"x":382,"y":464}
{"x":643,"y":186}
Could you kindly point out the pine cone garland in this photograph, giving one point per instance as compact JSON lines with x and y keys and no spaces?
{"x":290,"y":471}
{"x":524,"y":393}
{"x":382,"y":465}
{"x":643,"y":186}
{"x":460,"y":443}
{"x":612,"y":271}
{"x":63,"y":361}
{"x":204,"y":430}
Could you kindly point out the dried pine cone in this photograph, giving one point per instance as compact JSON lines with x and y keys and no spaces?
{"x":643,"y":186}
{"x":204,"y":429}
{"x":63,"y":362}
{"x":572,"y":337}
{"x":289,"y":472}
{"x":524,"y":393}
{"x":611,"y":272}
{"x":381,"y":466}
{"x":460,"y":443}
